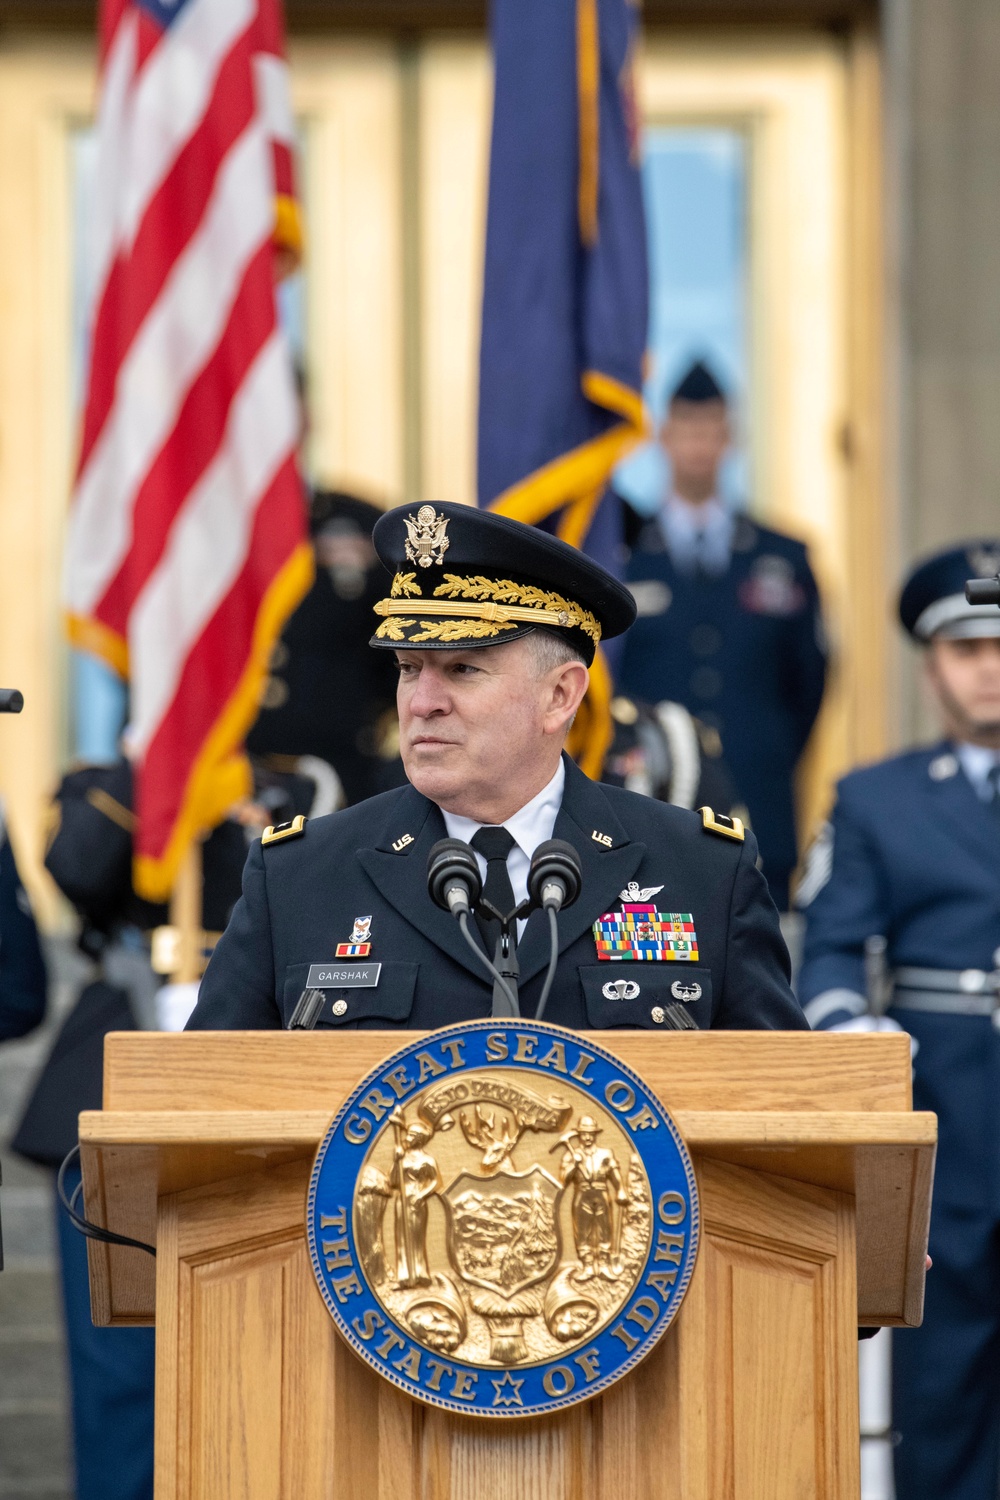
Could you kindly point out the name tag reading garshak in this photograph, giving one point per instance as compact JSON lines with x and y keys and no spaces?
{"x":343,"y":976}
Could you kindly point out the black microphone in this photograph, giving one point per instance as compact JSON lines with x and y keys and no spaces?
{"x":453,"y":878}
{"x":555,"y":875}
{"x":983,"y":590}
{"x":554,"y":881}
{"x":454,"y":884}
{"x":11,"y":701}
{"x":307,"y":1011}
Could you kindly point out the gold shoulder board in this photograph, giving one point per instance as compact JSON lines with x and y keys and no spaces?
{"x":293,"y":830}
{"x":730,"y":828}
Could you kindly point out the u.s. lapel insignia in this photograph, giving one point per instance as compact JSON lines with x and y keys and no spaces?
{"x":602,"y":838}
{"x":400,"y":844}
{"x":639,"y":931}
{"x":426,"y":537}
{"x":357,"y":945}
{"x":943,"y":767}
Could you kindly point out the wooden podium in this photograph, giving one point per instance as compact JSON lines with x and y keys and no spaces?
{"x":814,"y":1177}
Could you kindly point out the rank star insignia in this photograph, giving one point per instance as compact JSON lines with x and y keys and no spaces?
{"x":508,"y":1391}
{"x":426,"y":537}
{"x":357,"y":945}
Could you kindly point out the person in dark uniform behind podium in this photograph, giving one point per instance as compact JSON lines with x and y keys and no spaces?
{"x":729,"y":622}
{"x":493,"y":625}
{"x":322,"y":658}
{"x":22,"y":967}
{"x":910,"y":863}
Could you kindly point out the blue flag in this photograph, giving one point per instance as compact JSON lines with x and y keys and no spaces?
{"x":565,"y":294}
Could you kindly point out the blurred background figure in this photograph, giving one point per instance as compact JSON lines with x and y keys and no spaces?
{"x":666,"y":753}
{"x":90,"y":858}
{"x":328,"y":695}
{"x":22,"y":968}
{"x":729,"y":622}
{"x":910,"y":865}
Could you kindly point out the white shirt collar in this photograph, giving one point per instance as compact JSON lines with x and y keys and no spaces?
{"x":697,"y":534}
{"x":977,"y":763}
{"x":528,"y":827}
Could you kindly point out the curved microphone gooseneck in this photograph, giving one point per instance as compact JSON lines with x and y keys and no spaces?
{"x":454,"y":884}
{"x":554,"y":881}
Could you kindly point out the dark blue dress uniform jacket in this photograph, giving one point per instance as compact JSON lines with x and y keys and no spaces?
{"x":301,"y":897}
{"x":22,"y":968}
{"x":745,"y":652}
{"x":917,"y":860}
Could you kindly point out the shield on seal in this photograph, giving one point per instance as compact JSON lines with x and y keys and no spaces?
{"x":503,"y":1231}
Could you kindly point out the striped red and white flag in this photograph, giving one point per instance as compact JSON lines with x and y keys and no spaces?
{"x":188,"y":539}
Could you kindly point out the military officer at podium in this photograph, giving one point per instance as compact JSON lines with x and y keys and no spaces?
{"x":493,"y":625}
{"x":911,"y":861}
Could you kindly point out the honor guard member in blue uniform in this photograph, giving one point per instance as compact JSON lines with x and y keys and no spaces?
{"x":911,"y":859}
{"x":729,"y":623}
{"x":493,"y":625}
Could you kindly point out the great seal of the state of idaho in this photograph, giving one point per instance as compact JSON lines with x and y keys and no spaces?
{"x":502,"y":1218}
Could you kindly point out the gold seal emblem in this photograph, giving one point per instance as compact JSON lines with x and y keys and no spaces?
{"x":426,"y":537}
{"x":520,"y":1222}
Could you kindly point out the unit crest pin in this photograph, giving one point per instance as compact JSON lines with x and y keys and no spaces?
{"x":358,"y":945}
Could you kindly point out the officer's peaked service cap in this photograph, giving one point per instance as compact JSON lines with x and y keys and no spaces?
{"x":698,"y":385}
{"x":933,"y":601}
{"x":464,"y":577}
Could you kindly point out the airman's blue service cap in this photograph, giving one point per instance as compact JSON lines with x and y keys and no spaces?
{"x":464,"y":577}
{"x":698,"y":385}
{"x":933,"y":601}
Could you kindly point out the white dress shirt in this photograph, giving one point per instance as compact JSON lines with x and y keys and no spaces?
{"x":529,"y":827}
{"x":977,"y":763}
{"x":697,"y":534}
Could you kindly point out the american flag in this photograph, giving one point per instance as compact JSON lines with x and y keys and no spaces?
{"x":187,"y":542}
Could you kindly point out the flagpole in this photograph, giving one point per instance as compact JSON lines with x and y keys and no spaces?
{"x":186,"y":916}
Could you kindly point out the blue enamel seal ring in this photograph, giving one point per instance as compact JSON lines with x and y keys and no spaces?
{"x":502,"y":1219}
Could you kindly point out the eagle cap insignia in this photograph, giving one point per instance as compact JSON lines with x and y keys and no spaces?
{"x":501,"y":1221}
{"x":426,"y":537}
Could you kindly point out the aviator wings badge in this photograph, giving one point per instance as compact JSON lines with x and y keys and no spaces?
{"x":634,"y":892}
{"x":426,"y":537}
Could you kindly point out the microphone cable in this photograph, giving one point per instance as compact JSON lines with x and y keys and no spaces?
{"x":87,"y":1227}
{"x":463,"y":922}
{"x":553,"y":961}
{"x":554,"y":880}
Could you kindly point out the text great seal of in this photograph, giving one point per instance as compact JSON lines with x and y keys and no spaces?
{"x":502,"y":1219}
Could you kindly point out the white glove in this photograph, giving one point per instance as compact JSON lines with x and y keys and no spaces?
{"x":875,"y":1023}
{"x":174,"y":1004}
{"x":867,"y":1023}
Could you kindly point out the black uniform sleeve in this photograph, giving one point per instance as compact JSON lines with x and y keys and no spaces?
{"x":806,"y":662}
{"x":22,"y":968}
{"x":237,"y":992}
{"x":757,"y":993}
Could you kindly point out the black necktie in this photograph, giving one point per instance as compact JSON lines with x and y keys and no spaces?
{"x":993,"y":782}
{"x":494,"y":843}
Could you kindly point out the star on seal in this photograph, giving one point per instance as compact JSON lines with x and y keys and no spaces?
{"x":513,"y":1389}
{"x":634,"y":893}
